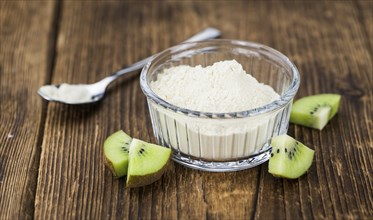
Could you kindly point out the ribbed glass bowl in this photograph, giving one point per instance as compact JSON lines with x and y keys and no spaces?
{"x":222,"y":141}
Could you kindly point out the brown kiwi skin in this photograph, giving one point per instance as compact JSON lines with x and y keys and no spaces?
{"x":110,"y":166}
{"x":138,"y":181}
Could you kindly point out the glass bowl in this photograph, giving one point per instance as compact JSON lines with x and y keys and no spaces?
{"x":226,"y":141}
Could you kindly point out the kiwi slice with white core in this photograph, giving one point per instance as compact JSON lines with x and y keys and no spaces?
{"x":147,"y":163}
{"x":315,"y":111}
{"x":116,"y":149}
{"x":289,"y":158}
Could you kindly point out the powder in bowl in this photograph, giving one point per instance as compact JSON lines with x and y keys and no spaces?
{"x":242,"y":113}
{"x":222,"y":87}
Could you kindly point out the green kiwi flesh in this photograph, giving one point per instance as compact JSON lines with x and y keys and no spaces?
{"x":116,"y":149}
{"x":289,"y":158}
{"x":147,"y":163}
{"x":315,"y":111}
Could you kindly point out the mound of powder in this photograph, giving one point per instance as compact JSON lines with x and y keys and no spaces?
{"x":67,"y":93}
{"x":221,"y":87}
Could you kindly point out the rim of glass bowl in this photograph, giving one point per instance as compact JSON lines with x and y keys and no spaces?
{"x":183,"y":47}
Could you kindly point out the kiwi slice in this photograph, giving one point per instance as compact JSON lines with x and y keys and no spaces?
{"x":147,"y":163}
{"x":116,"y":149}
{"x":289,"y":158}
{"x":315,"y":111}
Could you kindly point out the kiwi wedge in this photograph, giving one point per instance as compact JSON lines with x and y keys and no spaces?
{"x":315,"y":111}
{"x":289,"y":158}
{"x":116,"y":149}
{"x":147,"y":163}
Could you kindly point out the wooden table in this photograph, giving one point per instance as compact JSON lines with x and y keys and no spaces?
{"x":51,"y":155}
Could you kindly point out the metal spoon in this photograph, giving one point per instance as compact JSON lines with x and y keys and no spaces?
{"x":75,"y":94}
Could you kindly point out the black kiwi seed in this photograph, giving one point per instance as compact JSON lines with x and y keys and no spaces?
{"x":142,"y":150}
{"x":286,"y":150}
{"x":278,"y":150}
{"x":124,"y":146}
{"x":271,"y":154}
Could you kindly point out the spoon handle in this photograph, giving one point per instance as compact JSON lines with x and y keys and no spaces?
{"x":205,"y":34}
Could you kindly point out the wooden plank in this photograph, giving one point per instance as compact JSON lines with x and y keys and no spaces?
{"x":365,"y":16}
{"x":94,"y":39}
{"x":26,"y":42}
{"x":326,"y":42}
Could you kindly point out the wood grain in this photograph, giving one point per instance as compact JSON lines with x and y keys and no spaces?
{"x":365,"y":14}
{"x":83,"y":41}
{"x":26,"y":33}
{"x":328,"y":61}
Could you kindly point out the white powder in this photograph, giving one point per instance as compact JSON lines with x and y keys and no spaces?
{"x":222,"y":87}
{"x":67,"y":93}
